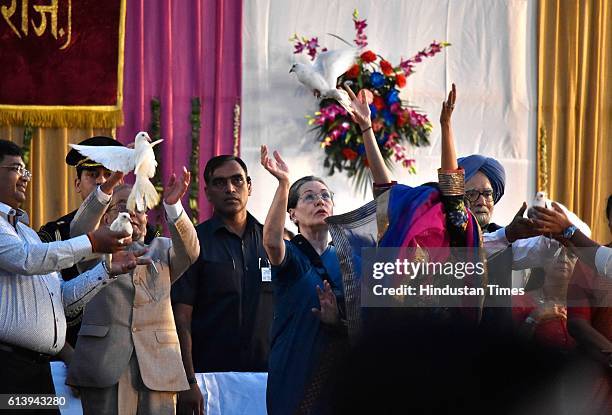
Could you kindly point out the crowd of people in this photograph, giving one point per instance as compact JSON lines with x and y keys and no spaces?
{"x":135,"y":316}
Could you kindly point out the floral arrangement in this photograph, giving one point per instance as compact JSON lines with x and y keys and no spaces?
{"x":395,"y":123}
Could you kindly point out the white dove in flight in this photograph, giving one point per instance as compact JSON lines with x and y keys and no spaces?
{"x":322,"y":76}
{"x":139,"y":159}
{"x":123,"y":223}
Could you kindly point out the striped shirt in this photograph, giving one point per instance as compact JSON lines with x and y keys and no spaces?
{"x":34,"y":299}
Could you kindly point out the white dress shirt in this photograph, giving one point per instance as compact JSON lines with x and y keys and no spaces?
{"x":33,"y":296}
{"x":526,"y":253}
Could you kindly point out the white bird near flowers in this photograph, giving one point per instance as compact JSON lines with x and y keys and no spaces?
{"x":139,"y":159}
{"x":321,"y":77}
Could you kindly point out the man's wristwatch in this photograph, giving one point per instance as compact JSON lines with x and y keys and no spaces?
{"x":569,"y":231}
{"x":192,"y":380}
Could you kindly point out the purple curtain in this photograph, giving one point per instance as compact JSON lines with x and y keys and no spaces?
{"x":176,"y":50}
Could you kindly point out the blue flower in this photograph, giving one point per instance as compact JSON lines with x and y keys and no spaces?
{"x":393,"y":97}
{"x":377,"y":79}
{"x":389,"y":118}
{"x":373,"y":111}
{"x":361,"y":149}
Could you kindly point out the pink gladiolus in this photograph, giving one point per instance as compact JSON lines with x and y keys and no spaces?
{"x":360,"y":25}
{"x":313,"y":43}
{"x":408,"y":162}
{"x":299,"y":47}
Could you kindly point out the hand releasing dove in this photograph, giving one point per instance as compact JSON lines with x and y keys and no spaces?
{"x":322,"y":76}
{"x":122,"y":223}
{"x":542,"y":201}
{"x":140,"y":159}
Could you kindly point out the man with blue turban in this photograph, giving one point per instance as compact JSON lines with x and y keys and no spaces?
{"x":516,"y":246}
{"x":485,"y":181}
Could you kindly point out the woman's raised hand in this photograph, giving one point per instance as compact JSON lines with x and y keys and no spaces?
{"x":276,"y":166}
{"x":448,"y":106}
{"x":360,"y":109}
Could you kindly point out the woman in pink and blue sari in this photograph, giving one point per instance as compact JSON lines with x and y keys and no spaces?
{"x":432,"y":215}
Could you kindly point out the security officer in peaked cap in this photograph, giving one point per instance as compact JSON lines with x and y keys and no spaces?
{"x":90,"y":174}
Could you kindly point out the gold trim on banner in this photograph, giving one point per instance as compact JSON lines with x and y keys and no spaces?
{"x":73,"y":116}
{"x":236,"y":129}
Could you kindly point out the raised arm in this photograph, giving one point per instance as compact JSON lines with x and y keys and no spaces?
{"x":185,"y":246}
{"x":360,"y":112}
{"x":449,"y":156}
{"x":275,"y":220}
{"x":94,"y":206}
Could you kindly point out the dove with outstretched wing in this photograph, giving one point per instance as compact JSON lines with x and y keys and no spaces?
{"x":321,"y":77}
{"x":139,"y":159}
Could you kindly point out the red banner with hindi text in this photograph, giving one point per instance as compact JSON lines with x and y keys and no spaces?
{"x":62,"y":62}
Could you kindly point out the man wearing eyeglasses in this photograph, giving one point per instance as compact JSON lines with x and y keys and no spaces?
{"x":485,"y":182}
{"x":517,"y":246}
{"x":33,"y":296}
{"x":127,"y":358}
{"x":223,"y":304}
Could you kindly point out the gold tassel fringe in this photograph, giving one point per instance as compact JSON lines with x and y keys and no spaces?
{"x":62,"y":117}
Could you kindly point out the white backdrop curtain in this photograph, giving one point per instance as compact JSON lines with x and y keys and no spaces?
{"x":492,"y":60}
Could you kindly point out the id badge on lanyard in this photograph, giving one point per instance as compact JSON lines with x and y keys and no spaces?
{"x":266,"y":270}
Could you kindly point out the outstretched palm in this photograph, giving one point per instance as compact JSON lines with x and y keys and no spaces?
{"x":448,"y":106}
{"x":360,"y":109}
{"x":276,"y":166}
{"x":176,"y":188}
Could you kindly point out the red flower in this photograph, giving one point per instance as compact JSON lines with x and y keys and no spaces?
{"x":402,"y":119}
{"x":400,"y":80}
{"x":349,"y":154}
{"x":368,"y":56}
{"x":379,"y":103}
{"x":386,"y":67}
{"x":353,"y":72}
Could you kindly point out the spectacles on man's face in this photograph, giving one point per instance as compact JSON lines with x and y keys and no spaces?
{"x":473,"y":195}
{"x":236,"y":180}
{"x":312,"y":197}
{"x":20,"y":170}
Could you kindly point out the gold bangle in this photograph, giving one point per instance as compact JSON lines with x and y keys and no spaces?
{"x":451,"y":183}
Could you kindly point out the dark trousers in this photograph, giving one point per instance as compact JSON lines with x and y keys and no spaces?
{"x":20,"y":375}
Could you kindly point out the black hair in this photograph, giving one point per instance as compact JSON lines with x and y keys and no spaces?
{"x":294,"y":190}
{"x":217,"y":161}
{"x":609,"y":207}
{"x":8,"y":148}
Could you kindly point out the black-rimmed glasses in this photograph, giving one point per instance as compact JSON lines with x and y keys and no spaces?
{"x":20,"y":170}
